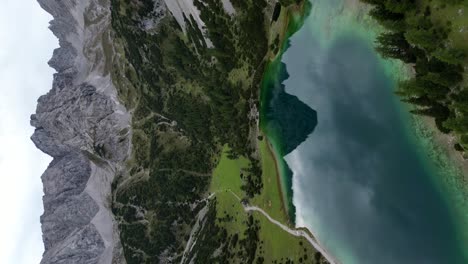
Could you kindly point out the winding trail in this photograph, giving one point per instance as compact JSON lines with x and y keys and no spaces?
{"x":249,"y":208}
{"x":294,"y":232}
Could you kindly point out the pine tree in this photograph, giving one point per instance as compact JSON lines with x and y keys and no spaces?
{"x":451,"y":56}
{"x":394,"y":45}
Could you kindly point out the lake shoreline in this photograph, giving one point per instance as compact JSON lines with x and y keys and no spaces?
{"x":280,"y":173}
{"x":291,"y":21}
{"x":278,"y":177}
{"x":439,"y":147}
{"x":355,"y":12}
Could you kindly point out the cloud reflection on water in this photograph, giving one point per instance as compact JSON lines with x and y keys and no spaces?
{"x":358,"y":181}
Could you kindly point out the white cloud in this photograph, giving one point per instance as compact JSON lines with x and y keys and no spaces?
{"x":26,"y":44}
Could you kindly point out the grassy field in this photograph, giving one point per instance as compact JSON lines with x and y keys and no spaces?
{"x":226,"y":175}
{"x":271,"y":197}
{"x":279,"y":245}
{"x":275,"y":245}
{"x":456,"y":17}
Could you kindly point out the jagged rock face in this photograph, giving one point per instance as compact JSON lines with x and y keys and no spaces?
{"x":78,"y":117}
{"x":82,"y":125}
{"x":85,"y":246}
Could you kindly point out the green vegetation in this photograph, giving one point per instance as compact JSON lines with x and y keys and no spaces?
{"x":253,"y":238}
{"x":284,"y":130}
{"x":431,"y":35}
{"x":192,"y":111}
{"x":229,"y":173}
{"x":271,"y":199}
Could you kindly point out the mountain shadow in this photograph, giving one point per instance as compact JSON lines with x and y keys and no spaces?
{"x":288,"y":119}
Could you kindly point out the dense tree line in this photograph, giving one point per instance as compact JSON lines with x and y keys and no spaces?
{"x":413,"y":37}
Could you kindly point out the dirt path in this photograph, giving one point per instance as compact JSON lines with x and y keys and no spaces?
{"x":294,"y":232}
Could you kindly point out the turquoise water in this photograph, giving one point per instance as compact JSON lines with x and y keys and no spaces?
{"x":282,"y":115}
{"x":360,"y":183}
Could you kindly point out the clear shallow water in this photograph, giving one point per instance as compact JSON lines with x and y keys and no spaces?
{"x":359,"y":182}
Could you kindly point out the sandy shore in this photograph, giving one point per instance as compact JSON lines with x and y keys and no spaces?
{"x":284,"y":204}
{"x":446,"y":143}
{"x":281,"y":29}
{"x":302,"y":231}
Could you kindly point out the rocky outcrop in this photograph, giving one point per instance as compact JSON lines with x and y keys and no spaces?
{"x":82,"y":125}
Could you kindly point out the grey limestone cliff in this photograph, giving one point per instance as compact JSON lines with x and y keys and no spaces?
{"x":82,"y":125}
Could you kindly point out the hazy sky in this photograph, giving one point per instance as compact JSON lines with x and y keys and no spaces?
{"x":26,"y":44}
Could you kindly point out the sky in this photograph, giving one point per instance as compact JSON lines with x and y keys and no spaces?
{"x":26,"y":44}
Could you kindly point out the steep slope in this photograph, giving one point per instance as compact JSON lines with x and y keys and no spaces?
{"x":82,"y":125}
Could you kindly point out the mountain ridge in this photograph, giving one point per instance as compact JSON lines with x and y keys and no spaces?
{"x":83,"y":126}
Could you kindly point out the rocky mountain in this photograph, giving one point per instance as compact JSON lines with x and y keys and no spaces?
{"x":82,"y":125}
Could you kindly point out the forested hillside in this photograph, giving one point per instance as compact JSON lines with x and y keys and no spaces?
{"x":193,"y":93}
